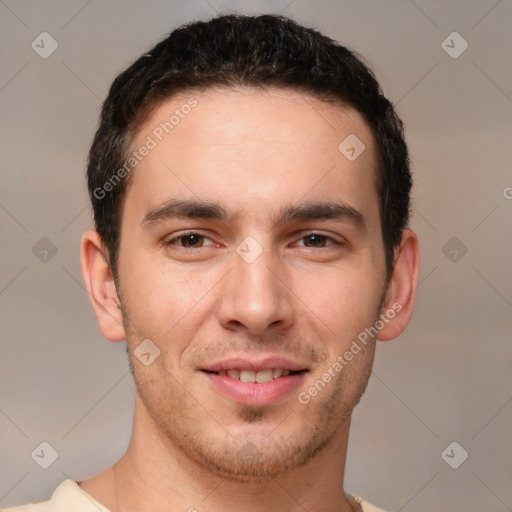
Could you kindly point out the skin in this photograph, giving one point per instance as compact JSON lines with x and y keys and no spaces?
{"x":305,"y":299}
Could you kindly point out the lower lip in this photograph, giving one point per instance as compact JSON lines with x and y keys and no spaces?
{"x":254,"y":394}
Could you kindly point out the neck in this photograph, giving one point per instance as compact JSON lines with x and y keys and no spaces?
{"x":155,"y":475}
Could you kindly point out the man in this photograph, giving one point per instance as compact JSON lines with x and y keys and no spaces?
{"x":250,"y":186}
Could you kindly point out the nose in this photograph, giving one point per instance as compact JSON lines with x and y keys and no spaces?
{"x":255,"y":296}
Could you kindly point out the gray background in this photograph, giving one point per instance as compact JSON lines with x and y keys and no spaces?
{"x":447,"y":378}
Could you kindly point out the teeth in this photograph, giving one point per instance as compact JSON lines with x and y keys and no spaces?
{"x":247,"y":376}
{"x":251,"y":376}
{"x":234,"y":374}
{"x":264,"y":376}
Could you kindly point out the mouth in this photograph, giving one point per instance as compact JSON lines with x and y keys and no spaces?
{"x":255,"y":383}
{"x":259,"y":377}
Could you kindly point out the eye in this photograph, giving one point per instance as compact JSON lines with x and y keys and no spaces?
{"x":317,"y":240}
{"x":190,"y":240}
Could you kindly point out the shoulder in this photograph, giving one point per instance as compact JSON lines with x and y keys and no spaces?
{"x":67,"y":496}
{"x":367,"y":507}
{"x":21,"y":508}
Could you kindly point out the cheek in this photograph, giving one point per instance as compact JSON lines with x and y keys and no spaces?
{"x":160,"y":293}
{"x":164,"y":304}
{"x":345,"y":302}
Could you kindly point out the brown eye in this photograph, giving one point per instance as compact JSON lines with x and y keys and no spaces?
{"x":315,"y":240}
{"x":189,"y":241}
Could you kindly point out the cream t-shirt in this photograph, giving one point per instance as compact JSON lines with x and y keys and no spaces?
{"x":69,"y":497}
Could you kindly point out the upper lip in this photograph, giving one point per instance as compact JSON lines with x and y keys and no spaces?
{"x":241,"y":363}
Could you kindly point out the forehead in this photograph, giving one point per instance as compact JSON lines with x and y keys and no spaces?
{"x":255,"y":150}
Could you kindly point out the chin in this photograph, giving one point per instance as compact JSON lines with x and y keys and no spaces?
{"x":257,"y":457}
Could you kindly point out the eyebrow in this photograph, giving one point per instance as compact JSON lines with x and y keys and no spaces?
{"x":288,"y":214}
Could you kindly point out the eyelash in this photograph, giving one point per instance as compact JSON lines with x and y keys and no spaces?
{"x":190,"y":249}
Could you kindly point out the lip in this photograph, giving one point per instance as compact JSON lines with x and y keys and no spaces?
{"x":240,"y":363}
{"x":252,"y":393}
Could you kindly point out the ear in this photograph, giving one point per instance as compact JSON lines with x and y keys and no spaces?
{"x":399,"y":301}
{"x":100,"y":285}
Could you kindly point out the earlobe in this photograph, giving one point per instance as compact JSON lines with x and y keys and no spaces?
{"x":399,"y":302}
{"x":100,"y":285}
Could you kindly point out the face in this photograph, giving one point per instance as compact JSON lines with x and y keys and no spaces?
{"x":251,"y":250}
